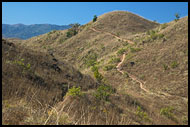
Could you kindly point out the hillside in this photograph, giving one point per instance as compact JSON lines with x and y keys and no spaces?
{"x":134,"y":71}
{"x":27,"y":31}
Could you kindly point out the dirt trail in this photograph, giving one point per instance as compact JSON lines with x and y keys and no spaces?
{"x":129,"y":41}
{"x":122,"y":60}
{"x":132,"y":76}
{"x":163,"y":94}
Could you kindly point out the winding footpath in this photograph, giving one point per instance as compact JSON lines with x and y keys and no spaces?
{"x":132,"y":76}
{"x":129,"y":41}
{"x":122,"y":60}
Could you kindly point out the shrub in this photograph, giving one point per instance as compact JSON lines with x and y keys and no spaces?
{"x":73,"y":30}
{"x":177,"y":17}
{"x":103,"y":92}
{"x":142,"y":115}
{"x":95,"y":18}
{"x":98,"y":76}
{"x":25,"y":67}
{"x":90,"y":60}
{"x":168,"y":112}
{"x":74,"y":91}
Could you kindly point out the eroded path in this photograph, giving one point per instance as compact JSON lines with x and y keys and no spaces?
{"x":129,"y":41}
{"x":122,"y":60}
{"x":132,"y":76}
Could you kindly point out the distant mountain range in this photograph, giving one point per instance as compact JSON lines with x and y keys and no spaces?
{"x":27,"y":31}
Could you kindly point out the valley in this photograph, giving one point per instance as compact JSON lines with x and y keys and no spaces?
{"x":121,"y":69}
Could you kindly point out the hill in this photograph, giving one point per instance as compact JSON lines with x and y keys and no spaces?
{"x":138,"y":71}
{"x":27,"y":31}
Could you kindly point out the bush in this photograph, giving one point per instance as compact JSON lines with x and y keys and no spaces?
{"x":97,"y":75}
{"x":73,"y":30}
{"x":103,"y":92}
{"x":74,"y":91}
{"x":95,"y":18}
{"x":168,"y":112}
{"x":142,"y":115}
{"x":154,"y":35}
{"x":90,"y":60}
{"x":25,"y":67}
{"x":177,"y":17}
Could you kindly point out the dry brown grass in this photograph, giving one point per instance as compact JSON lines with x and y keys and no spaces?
{"x":154,"y":63}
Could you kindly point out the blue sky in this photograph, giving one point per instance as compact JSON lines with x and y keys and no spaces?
{"x":64,"y":13}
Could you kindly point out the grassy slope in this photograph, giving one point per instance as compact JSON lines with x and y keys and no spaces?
{"x":148,"y":67}
{"x":39,"y":80}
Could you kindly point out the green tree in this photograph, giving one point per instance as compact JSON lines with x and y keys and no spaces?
{"x":95,"y":18}
{"x":73,"y":30}
{"x":177,"y":15}
{"x":103,"y":92}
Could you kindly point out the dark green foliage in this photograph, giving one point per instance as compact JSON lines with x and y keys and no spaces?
{"x":177,"y":15}
{"x":95,"y":18}
{"x":103,"y":92}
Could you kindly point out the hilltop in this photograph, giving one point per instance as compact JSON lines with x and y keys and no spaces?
{"x":134,"y":71}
